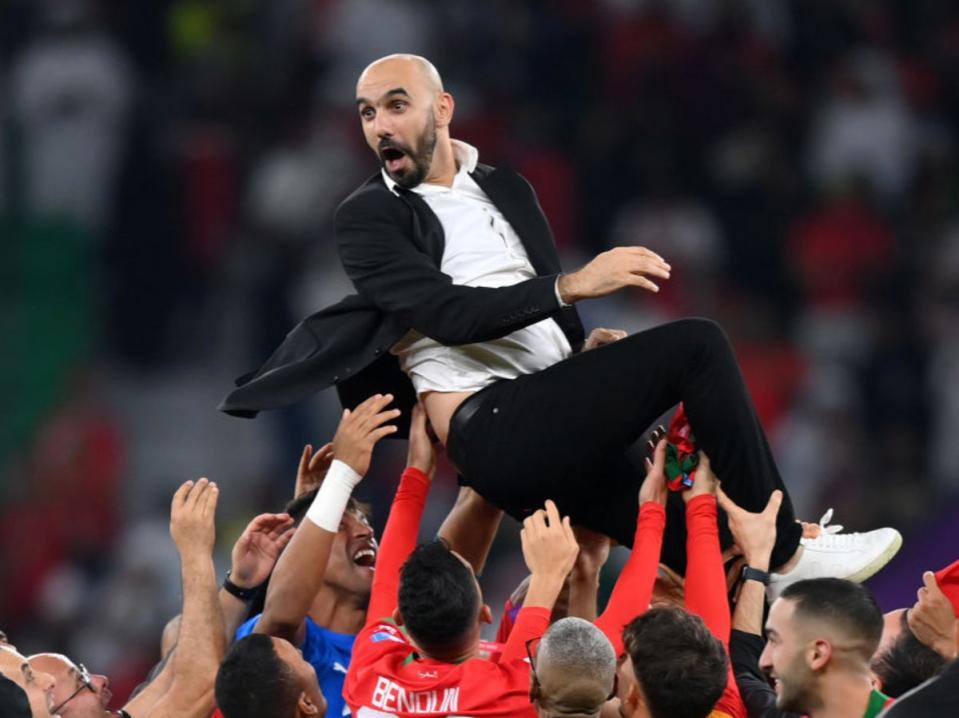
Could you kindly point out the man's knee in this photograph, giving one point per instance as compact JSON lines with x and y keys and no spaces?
{"x":703,"y":333}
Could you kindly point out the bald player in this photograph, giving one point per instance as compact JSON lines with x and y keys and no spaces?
{"x":574,"y":670}
{"x":821,"y":635}
{"x":463,"y":306}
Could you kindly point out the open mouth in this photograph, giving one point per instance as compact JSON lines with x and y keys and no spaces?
{"x":365,"y":557}
{"x":393,"y":158}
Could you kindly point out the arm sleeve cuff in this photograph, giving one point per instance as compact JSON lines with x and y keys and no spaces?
{"x":559,"y":298}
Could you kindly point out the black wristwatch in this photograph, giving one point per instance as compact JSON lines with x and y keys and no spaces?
{"x":754,"y":574}
{"x":244,"y":594}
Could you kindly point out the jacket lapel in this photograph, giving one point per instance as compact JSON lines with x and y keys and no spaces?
{"x":513,"y":197}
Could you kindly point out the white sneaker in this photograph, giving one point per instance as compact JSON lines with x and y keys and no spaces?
{"x":854,"y":557}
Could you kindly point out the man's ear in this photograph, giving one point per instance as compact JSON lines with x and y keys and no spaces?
{"x":443,"y":109}
{"x":307,"y":707}
{"x":819,"y":654}
{"x":630,"y":704}
{"x":485,"y":614}
{"x":397,"y":617}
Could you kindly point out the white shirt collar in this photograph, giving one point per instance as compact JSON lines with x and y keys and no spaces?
{"x":466,"y":157}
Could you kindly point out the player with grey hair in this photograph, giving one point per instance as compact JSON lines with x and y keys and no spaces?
{"x":573,"y":672}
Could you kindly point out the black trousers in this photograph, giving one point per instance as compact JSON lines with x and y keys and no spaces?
{"x":563,"y":433}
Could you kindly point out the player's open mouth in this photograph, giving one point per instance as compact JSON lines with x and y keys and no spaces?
{"x":365,"y":557}
{"x":393,"y":158}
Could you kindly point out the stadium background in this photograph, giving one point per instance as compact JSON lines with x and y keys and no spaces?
{"x":168,"y":172}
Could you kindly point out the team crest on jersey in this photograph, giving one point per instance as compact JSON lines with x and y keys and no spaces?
{"x":384,"y":636}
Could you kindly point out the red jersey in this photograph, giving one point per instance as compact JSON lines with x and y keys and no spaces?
{"x":387,"y":679}
{"x":390,"y":680}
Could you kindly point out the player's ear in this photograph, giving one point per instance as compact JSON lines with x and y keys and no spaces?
{"x":306,"y":706}
{"x":485,"y":614}
{"x":397,"y":617}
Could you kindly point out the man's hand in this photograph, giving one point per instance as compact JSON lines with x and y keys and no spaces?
{"x":313,"y":468}
{"x":360,"y":429}
{"x":754,"y":534}
{"x":601,"y":337}
{"x":654,"y":485}
{"x":259,"y":546}
{"x":191,"y":517}
{"x":549,"y":546}
{"x":704,"y":480}
{"x":422,"y":451}
{"x":611,"y":271}
{"x":932,"y":619}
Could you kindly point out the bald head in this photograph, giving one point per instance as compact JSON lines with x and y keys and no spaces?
{"x":410,"y":65}
{"x":576,"y":666}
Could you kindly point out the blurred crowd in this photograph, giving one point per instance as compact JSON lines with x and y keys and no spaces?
{"x":168,"y":172}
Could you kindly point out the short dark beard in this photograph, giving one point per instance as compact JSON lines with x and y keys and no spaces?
{"x":422,"y":156}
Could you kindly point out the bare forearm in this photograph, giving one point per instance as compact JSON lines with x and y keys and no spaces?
{"x":201,"y":643}
{"x":295,"y":582}
{"x":185,"y":686}
{"x":748,"y":616}
{"x":234,"y":612}
{"x":583,"y":590}
{"x":470,"y":527}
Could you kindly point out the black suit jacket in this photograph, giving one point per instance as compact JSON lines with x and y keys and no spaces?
{"x":391,"y":247}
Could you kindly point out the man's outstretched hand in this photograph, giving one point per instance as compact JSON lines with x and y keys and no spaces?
{"x":753,"y":533}
{"x":258,"y":548}
{"x":360,"y":429}
{"x":192,"y":517}
{"x":654,"y":485}
{"x":549,"y":545}
{"x":312,"y":469}
{"x":933,"y":619}
{"x":613,"y":270}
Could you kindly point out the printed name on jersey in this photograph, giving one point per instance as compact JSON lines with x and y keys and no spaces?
{"x":391,"y":696}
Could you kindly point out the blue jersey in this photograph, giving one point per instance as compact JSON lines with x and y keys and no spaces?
{"x":329,"y":653}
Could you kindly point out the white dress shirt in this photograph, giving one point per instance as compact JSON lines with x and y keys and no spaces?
{"x":482,"y":250}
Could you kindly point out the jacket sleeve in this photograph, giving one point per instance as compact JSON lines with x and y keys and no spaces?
{"x":374,"y":236}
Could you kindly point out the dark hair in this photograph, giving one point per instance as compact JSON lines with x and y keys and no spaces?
{"x":438,"y":598}
{"x":254,"y":683}
{"x":298,"y":507}
{"x":681,"y":666}
{"x":843,"y":603}
{"x":906,"y":663}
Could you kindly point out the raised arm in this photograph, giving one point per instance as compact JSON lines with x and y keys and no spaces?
{"x":403,"y":523}
{"x":299,"y":572}
{"x":253,"y":558}
{"x":470,"y":527}
{"x":705,"y":577}
{"x":549,"y":548}
{"x":755,"y":535}
{"x":188,"y":691}
{"x":634,"y":587}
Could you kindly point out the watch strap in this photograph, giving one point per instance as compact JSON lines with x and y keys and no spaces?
{"x":754,"y":574}
{"x":244,"y":594}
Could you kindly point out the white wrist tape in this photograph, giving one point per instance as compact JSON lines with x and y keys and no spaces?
{"x":327,"y":508}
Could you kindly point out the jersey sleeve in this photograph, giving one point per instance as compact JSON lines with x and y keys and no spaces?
{"x":532,"y":622}
{"x":399,"y":539}
{"x":706,"y":587}
{"x":634,"y":587}
{"x":705,"y":578}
